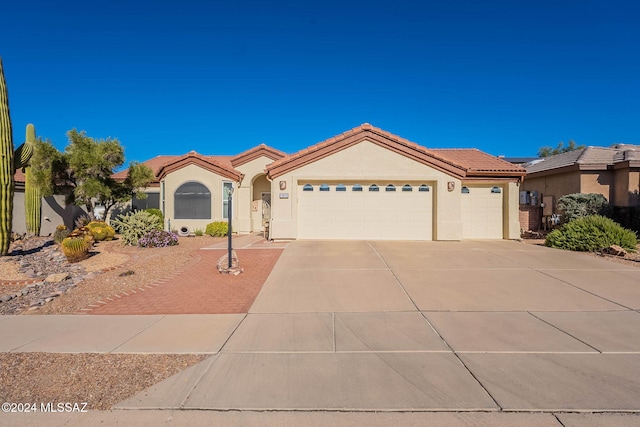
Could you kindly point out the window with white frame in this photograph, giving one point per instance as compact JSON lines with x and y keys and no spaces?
{"x":192,"y":200}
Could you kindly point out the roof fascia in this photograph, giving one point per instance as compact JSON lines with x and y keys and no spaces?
{"x":205,"y":164}
{"x":326,"y":149}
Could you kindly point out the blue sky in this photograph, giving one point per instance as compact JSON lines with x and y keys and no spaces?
{"x":167,"y":77}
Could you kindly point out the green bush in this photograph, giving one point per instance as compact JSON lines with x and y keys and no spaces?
{"x":592,"y":233}
{"x":578,"y":205}
{"x":199,"y":232}
{"x":158,"y":213}
{"x":217,"y":229}
{"x":135,"y":225}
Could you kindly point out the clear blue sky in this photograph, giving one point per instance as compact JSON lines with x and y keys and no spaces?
{"x":167,"y":77}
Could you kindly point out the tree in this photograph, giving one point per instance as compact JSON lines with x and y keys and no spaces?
{"x":83,"y":172}
{"x":547,"y":151}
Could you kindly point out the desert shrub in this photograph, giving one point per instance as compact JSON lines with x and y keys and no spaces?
{"x":198,"y":232}
{"x":592,"y":233}
{"x":217,"y":229}
{"x":578,"y":205}
{"x":60,"y":234}
{"x":100,"y":230}
{"x":158,"y":213}
{"x":158,"y":239}
{"x":135,"y":225}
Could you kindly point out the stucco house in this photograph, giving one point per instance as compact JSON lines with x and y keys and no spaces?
{"x":612,"y":171}
{"x":363,"y":184}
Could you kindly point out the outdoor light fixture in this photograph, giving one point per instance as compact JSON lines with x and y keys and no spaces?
{"x":230,"y":194}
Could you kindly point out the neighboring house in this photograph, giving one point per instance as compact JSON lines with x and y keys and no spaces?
{"x":613,"y":172}
{"x":363,"y":184}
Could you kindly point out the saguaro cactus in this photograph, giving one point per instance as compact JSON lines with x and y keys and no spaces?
{"x":9,"y":162}
{"x":7,"y":167}
{"x":32,"y":195}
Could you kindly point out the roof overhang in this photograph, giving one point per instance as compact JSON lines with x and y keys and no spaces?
{"x":194,"y":159}
{"x":261,"y":150}
{"x":362,"y":133}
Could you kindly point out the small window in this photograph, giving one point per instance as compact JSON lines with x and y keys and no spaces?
{"x":390,"y":187}
{"x":341,"y":187}
{"x":374,"y":187}
{"x":496,"y":190}
{"x":465,"y":190}
{"x":324,"y":187}
{"x":307,"y":187}
{"x":407,"y":187}
{"x":423,"y":187}
{"x":356,"y":187}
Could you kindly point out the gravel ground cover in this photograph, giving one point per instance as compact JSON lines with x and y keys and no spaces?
{"x":101,"y":380}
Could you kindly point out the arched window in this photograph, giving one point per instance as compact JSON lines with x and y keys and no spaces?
{"x":423,"y":187}
{"x":407,"y":187}
{"x":356,"y":187}
{"x":307,"y":187}
{"x":496,"y":190}
{"x":192,"y":200}
{"x":324,"y":187}
{"x":465,"y":190}
{"x":390,"y":187}
{"x":341,"y":187}
{"x":374,"y":187}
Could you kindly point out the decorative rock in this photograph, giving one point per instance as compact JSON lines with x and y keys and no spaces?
{"x":57,"y":278}
{"x":5,"y":298}
{"x":614,"y":250}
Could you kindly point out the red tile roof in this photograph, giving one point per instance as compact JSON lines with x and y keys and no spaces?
{"x":479,"y":163}
{"x":255,"y":153}
{"x":219,"y":165}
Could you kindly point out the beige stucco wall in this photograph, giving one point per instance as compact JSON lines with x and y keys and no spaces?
{"x":598,"y":182}
{"x":212,"y":181}
{"x":366,"y":162}
{"x":627,"y":187}
{"x":246,"y":194}
{"x":553,"y":185}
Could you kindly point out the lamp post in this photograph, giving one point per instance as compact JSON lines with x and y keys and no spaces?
{"x":229,"y":210}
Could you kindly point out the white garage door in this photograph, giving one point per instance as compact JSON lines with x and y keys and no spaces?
{"x":482,"y":212}
{"x":355,"y":211}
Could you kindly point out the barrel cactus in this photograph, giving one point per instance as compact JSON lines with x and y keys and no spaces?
{"x":100,"y":230}
{"x":32,"y":195}
{"x":76,"y":248}
{"x":9,"y":162}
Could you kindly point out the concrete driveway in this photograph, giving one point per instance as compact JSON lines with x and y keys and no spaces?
{"x":492,"y":326}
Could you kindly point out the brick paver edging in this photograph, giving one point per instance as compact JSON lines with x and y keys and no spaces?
{"x":197,"y":288}
{"x":20,"y":282}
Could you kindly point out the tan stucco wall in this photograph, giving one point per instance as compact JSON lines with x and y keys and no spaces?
{"x":598,"y":183}
{"x":627,"y":187}
{"x":245,"y":195}
{"x":210,"y":180}
{"x":366,"y":162}
{"x":553,"y":185}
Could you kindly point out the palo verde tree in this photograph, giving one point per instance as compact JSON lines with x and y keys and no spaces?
{"x":547,"y":151}
{"x":84,"y":172}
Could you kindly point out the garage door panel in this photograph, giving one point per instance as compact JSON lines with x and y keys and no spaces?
{"x":380,"y":215}
{"x":482,"y":213}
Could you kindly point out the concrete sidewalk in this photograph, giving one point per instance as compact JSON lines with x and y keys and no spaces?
{"x":375,"y":333}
